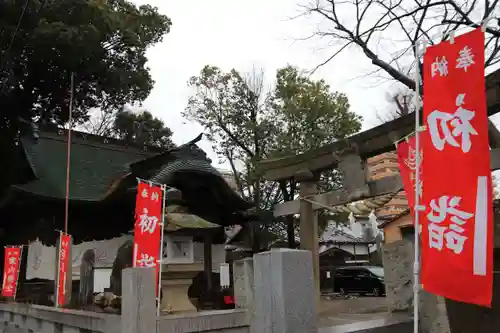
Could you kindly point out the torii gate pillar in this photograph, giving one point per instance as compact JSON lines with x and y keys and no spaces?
{"x":309,"y":227}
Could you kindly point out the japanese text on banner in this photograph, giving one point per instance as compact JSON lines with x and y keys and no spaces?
{"x":64,"y":262}
{"x":458,"y":221}
{"x":148,"y":228}
{"x":12,"y":262}
{"x":407,"y":165}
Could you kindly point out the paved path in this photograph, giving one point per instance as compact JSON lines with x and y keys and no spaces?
{"x":349,"y":318}
{"x":362,"y":323}
{"x":359,"y":305}
{"x":359,"y":314}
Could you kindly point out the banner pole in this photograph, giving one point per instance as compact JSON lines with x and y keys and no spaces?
{"x":68,"y":153}
{"x":160,"y":260}
{"x":139,"y":180}
{"x":416,"y":264}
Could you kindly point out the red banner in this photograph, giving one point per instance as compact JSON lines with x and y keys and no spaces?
{"x":457,"y":235}
{"x":407,"y":168}
{"x":148,"y":228}
{"x":11,"y":266}
{"x":64,"y":262}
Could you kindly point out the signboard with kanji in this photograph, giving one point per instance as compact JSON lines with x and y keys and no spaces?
{"x":63,"y":264}
{"x":148,"y":226}
{"x":457,"y":233}
{"x":12,"y":264}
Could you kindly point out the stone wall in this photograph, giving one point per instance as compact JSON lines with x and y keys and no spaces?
{"x":398,"y":266}
{"x":138,"y":314}
{"x":437,"y":314}
{"x":433,"y":314}
{"x":20,"y":318}
{"x":221,"y":321}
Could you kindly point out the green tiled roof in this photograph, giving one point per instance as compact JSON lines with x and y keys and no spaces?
{"x":96,"y":165}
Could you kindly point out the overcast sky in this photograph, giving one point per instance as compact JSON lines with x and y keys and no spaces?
{"x":242,"y":34}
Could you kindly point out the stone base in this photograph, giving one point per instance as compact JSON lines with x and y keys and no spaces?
{"x":176,"y":279}
{"x":175,"y":296}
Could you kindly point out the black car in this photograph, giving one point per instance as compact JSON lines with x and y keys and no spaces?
{"x":360,"y":280}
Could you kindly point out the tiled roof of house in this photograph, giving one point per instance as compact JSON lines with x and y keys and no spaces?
{"x":334,"y":234}
{"x":389,"y":219}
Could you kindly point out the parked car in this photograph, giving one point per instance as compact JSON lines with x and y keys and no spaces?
{"x":360,"y":280}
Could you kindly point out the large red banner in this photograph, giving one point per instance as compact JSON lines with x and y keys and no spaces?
{"x":407,"y":168}
{"x":148,"y":228}
{"x":457,"y":235}
{"x":64,"y":262}
{"x":11,"y":266}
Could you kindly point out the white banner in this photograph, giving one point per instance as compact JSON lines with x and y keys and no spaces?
{"x":42,"y":258}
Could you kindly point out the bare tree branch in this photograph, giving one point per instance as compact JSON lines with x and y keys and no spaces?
{"x":368,"y":23}
{"x":100,"y":122}
{"x":473,"y":25}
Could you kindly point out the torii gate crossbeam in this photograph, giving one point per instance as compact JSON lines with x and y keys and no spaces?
{"x":350,"y":156}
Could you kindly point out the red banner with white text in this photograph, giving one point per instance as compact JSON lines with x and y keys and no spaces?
{"x":407,"y":168}
{"x":63,"y":264}
{"x":148,"y":229}
{"x":457,"y":233}
{"x":11,"y":266}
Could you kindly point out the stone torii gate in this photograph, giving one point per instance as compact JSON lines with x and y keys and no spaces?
{"x":349,"y":156}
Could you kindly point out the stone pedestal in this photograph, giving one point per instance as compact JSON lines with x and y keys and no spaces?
{"x":284,"y":292}
{"x":176,"y":279}
{"x":138,"y":300}
{"x":243,"y":272}
{"x":243,"y":285}
{"x":175,"y":295}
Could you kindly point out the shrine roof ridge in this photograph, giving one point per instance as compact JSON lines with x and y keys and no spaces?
{"x":99,"y":164}
{"x":97,"y":141}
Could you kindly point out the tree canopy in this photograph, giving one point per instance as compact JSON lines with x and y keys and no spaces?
{"x":246,"y":124}
{"x":307,"y":114}
{"x":142,"y":128}
{"x":101,"y":42}
{"x":131,"y":125}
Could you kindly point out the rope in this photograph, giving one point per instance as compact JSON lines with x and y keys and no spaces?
{"x":348,"y":207}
